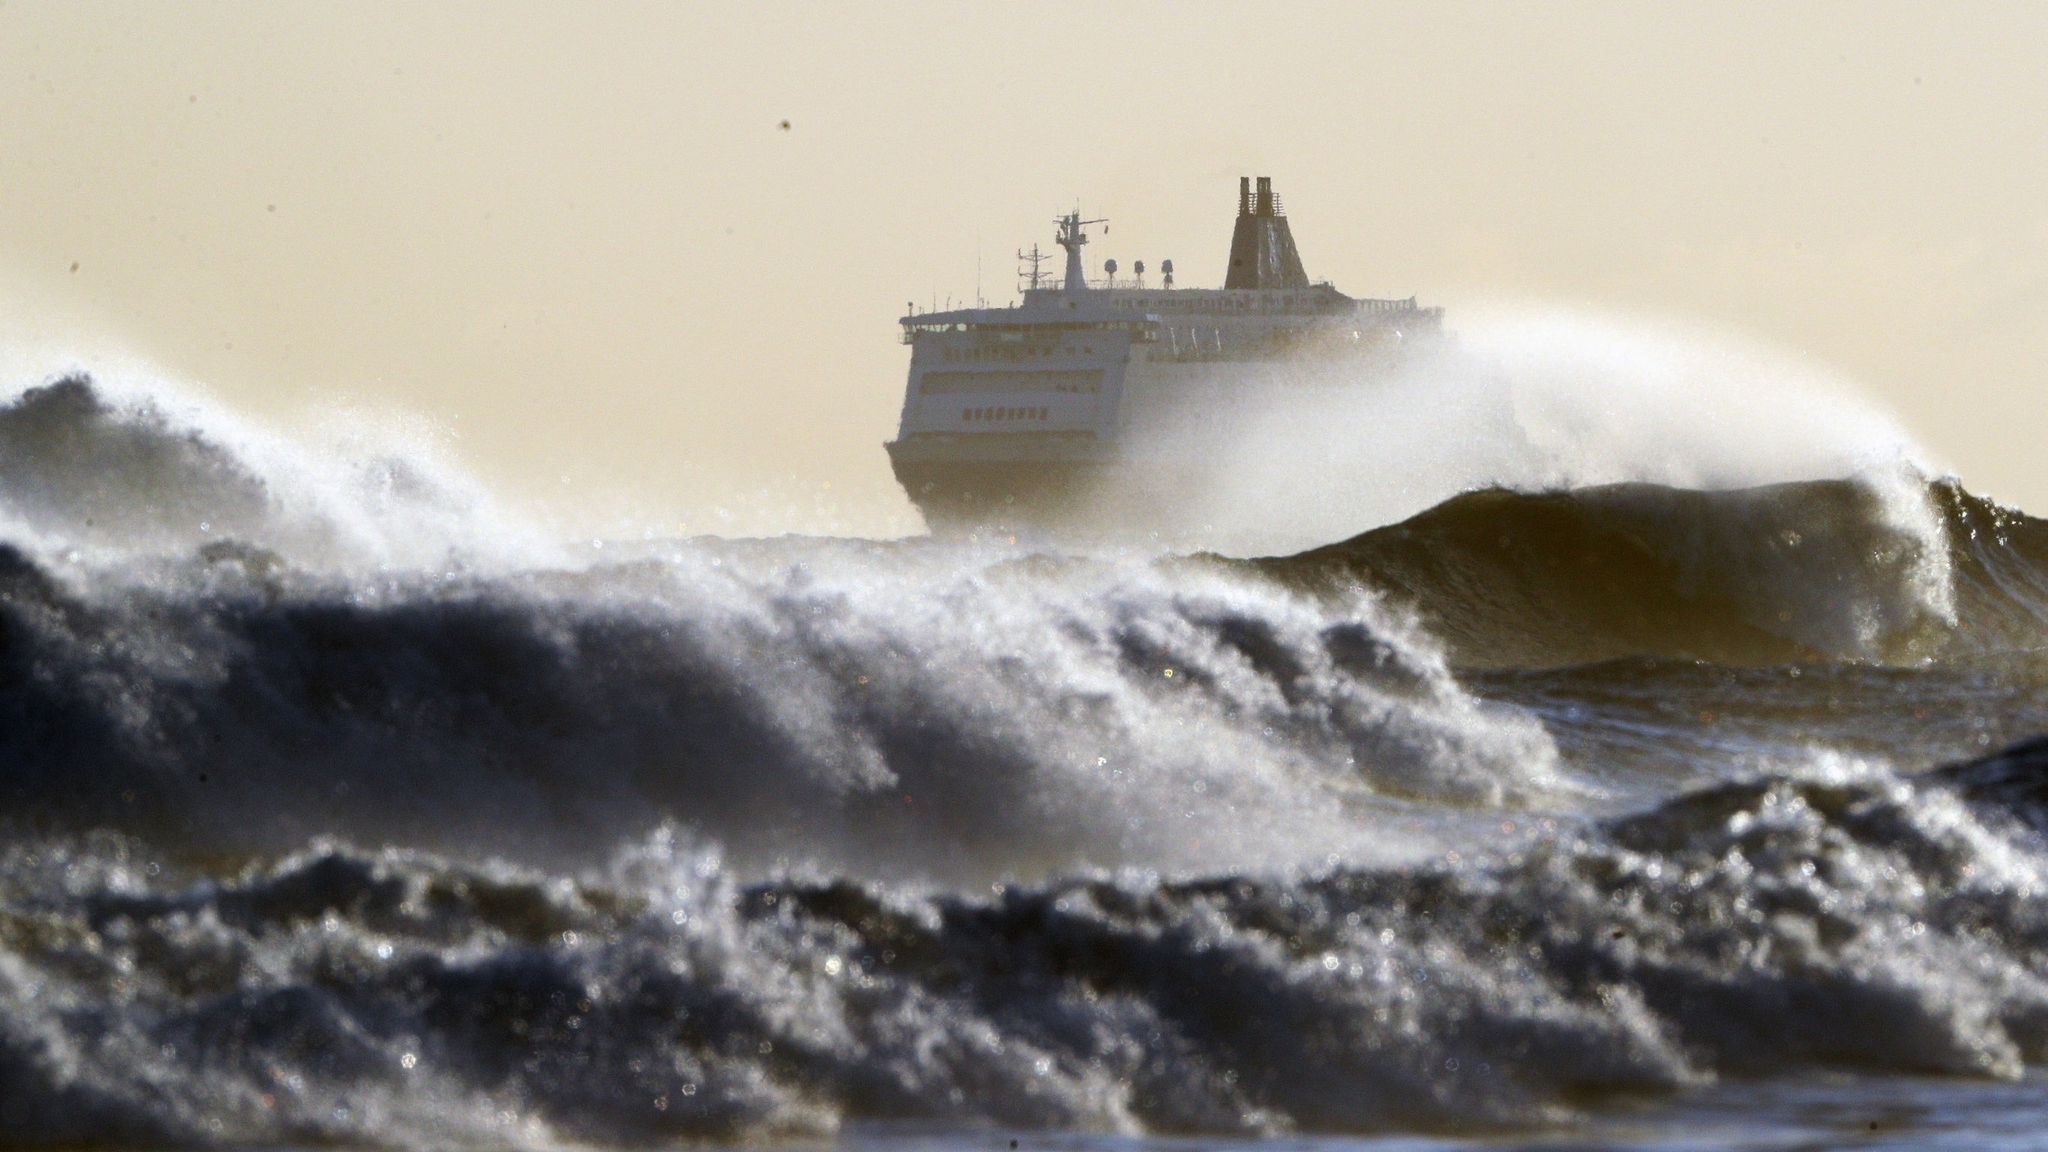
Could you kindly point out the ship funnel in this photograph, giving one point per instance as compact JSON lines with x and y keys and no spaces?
{"x":1262,"y":252}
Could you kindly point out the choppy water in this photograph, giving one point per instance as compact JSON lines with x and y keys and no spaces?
{"x":335,"y":813}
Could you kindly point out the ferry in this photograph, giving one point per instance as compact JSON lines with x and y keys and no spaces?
{"x":1054,"y":414}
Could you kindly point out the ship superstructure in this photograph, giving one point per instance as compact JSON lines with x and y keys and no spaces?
{"x":1036,"y":415}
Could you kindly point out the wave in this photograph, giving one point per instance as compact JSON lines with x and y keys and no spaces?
{"x":1800,"y":571}
{"x":1836,"y":919}
{"x":911,"y":708}
{"x":88,"y":474}
{"x":200,"y":643}
{"x":868,"y":707}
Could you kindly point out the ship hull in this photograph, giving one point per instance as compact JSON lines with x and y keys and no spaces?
{"x":1066,"y":498}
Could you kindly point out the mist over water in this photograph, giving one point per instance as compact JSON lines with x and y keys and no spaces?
{"x":338,"y":804}
{"x":1526,"y":399}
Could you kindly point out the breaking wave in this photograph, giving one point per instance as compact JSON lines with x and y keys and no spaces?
{"x":1836,"y":919}
{"x":1812,"y":570}
{"x":906,"y":719}
{"x":88,"y":473}
{"x":902,"y":708}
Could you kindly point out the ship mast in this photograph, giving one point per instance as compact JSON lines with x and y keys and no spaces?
{"x":1071,"y":237}
{"x":1028,"y":271}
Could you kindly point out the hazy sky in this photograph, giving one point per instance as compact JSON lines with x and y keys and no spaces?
{"x":577,"y":237}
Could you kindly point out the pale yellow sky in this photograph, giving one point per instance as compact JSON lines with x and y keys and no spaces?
{"x":576,"y":237}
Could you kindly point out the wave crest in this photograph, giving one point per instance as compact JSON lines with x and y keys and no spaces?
{"x":883,"y":710}
{"x":1810,"y":570}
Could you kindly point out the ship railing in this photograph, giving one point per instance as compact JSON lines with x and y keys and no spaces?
{"x":1407,"y":305}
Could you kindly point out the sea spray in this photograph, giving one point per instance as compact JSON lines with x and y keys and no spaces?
{"x":114,"y":473}
{"x":1522,"y":398}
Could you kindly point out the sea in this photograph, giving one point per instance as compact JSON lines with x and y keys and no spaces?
{"x":1631,"y":814}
